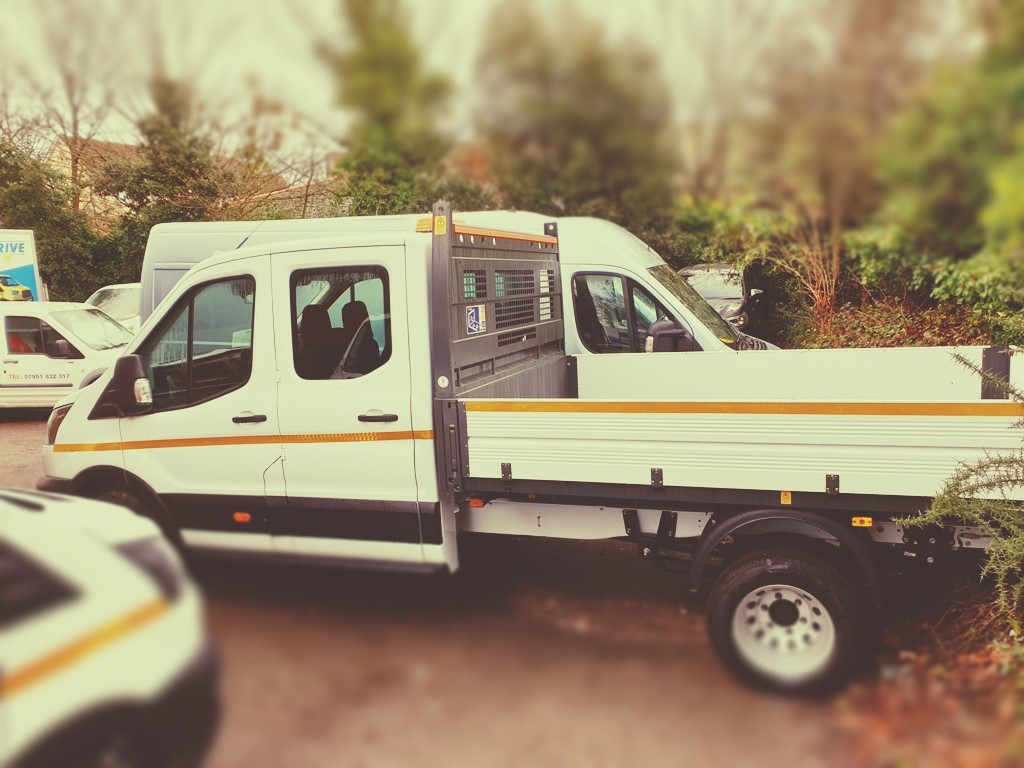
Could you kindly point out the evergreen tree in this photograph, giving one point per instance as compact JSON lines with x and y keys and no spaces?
{"x":577,"y":125}
{"x":33,"y":196}
{"x":175,"y":177}
{"x":394,"y":149}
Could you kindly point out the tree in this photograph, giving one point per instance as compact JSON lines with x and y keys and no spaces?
{"x":175,"y":176}
{"x":576,"y":125}
{"x":835,"y":85}
{"x":394,"y":149}
{"x":32,"y":196}
{"x":76,"y":92}
{"x":937,"y":165}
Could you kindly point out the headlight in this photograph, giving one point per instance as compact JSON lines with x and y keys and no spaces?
{"x":156,"y":557}
{"x":53,"y":423}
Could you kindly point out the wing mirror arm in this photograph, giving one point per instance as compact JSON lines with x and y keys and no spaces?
{"x":128,"y":393}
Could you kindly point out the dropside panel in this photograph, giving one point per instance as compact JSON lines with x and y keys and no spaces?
{"x":830,"y":448}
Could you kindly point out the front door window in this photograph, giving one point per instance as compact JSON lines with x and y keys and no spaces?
{"x":613,"y":314}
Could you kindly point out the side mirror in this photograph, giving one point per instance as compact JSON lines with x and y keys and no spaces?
{"x":666,"y":337}
{"x":128,"y":393}
{"x":61,"y":348}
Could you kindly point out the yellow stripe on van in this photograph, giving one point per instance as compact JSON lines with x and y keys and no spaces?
{"x":1002,"y":409}
{"x":76,"y":651}
{"x":205,"y":442}
{"x":461,"y":228}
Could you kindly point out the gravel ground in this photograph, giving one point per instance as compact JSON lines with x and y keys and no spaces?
{"x":538,"y":652}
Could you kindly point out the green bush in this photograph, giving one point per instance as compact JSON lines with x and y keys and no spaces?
{"x":981,"y":495}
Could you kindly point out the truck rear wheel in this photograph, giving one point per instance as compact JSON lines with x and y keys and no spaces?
{"x":785,"y":620}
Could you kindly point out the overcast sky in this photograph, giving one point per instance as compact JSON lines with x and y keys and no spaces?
{"x":229,"y":47}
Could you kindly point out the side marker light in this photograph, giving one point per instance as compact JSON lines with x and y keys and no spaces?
{"x":242,"y":517}
{"x":862,"y":522}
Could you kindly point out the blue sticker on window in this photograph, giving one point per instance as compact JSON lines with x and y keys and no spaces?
{"x":476,"y":319}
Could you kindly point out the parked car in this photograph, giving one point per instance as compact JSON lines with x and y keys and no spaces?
{"x":120,"y":302}
{"x":726,"y":289}
{"x":104,"y":653}
{"x":12,"y":290}
{"x":49,"y":347}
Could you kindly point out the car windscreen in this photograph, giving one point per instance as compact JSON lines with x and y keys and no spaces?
{"x":119,"y":303}
{"x":716,"y":284}
{"x":94,"y":328}
{"x":704,"y":312}
{"x":5,"y":280}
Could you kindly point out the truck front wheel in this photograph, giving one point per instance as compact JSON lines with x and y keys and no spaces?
{"x":785,"y":620}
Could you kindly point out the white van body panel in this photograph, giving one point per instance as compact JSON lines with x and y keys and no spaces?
{"x":240,"y":461}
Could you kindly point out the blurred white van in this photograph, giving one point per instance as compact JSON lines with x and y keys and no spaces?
{"x":104,"y":655}
{"x":48,"y":347}
{"x":120,"y":302}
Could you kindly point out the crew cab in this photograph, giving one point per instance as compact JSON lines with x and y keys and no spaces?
{"x":366,"y":397}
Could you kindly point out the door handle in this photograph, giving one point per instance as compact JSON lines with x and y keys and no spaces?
{"x":10,"y":362}
{"x":377,"y":416}
{"x":256,"y":418}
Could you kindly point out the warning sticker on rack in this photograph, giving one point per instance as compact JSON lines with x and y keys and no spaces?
{"x":476,"y":318}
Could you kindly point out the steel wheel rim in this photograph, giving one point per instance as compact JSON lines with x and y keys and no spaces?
{"x":784,"y":633}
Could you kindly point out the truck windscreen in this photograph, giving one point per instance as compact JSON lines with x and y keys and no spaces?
{"x":704,"y":312}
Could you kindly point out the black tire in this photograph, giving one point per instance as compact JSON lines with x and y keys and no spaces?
{"x":125,"y":497}
{"x":805,"y":637}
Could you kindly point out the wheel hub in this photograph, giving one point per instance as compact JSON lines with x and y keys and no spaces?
{"x":784,"y":632}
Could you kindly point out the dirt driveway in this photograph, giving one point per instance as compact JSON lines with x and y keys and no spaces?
{"x":538,"y":652}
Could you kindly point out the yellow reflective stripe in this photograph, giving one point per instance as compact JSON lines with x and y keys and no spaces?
{"x":205,"y":442}
{"x":751,"y":408}
{"x":19,"y":680}
{"x":460,"y":228}
{"x":359,"y":437}
{"x":464,"y":230}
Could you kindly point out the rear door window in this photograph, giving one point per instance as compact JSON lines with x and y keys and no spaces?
{"x":341,"y":321}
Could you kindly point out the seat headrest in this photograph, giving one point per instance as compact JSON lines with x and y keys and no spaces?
{"x":354,"y":314}
{"x":315,"y":319}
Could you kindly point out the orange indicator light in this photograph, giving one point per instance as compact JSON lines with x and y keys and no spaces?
{"x":862,"y":522}
{"x":242,"y":517}
{"x":476,"y":503}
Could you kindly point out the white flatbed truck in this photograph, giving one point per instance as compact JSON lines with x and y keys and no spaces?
{"x":367,"y":396}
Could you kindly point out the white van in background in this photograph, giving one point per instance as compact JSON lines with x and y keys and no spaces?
{"x":49,"y":347}
{"x":120,"y":302}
